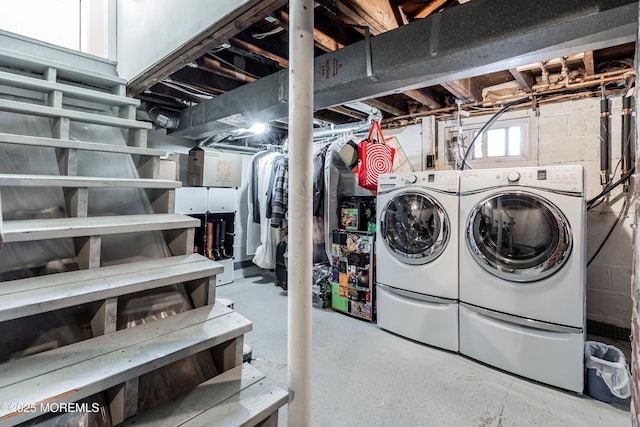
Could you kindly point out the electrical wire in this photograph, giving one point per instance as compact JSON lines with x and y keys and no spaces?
{"x":188,"y":89}
{"x":491,"y":121}
{"x":235,"y":67}
{"x":261,"y":36}
{"x":623,"y":210}
{"x":607,"y":190}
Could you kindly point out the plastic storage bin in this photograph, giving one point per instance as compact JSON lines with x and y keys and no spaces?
{"x":607,"y":374}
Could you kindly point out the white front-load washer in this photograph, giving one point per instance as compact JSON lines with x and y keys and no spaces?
{"x":417,"y":256}
{"x":523,"y":271}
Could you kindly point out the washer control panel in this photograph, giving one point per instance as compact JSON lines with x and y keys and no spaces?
{"x":442,"y":180}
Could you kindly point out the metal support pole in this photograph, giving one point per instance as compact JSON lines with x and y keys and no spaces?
{"x":300,"y":246}
{"x":605,"y":141}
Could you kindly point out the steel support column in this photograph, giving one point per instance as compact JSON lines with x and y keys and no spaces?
{"x":300,"y":247}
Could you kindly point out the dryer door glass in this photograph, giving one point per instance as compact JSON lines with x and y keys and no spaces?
{"x":414,"y":227}
{"x":518,"y":236}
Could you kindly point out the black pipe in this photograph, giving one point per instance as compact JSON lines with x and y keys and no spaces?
{"x":604,"y":141}
{"x":490,"y":122}
{"x":626,"y":137}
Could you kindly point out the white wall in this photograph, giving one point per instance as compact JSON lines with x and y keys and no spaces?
{"x":149,"y":30}
{"x":415,"y":141}
{"x":33,"y":18}
{"x":72,"y":24}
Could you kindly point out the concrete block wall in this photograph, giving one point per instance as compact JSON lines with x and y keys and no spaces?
{"x":635,"y":321}
{"x":569,"y":133}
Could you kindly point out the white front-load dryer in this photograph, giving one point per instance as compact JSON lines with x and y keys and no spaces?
{"x":417,"y":256}
{"x":523,"y":271}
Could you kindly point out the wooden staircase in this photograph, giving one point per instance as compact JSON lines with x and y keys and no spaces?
{"x":114,"y":360}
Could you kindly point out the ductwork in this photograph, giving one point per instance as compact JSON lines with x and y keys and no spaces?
{"x":437,"y":49}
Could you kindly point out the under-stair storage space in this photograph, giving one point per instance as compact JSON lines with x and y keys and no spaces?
{"x":214,"y":239}
{"x":106,"y":312}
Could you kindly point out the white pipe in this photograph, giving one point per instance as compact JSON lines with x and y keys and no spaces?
{"x":300,"y":248}
{"x":330,"y":131}
{"x":373,"y":112}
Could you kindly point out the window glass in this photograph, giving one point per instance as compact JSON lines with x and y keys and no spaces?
{"x":515,"y":145}
{"x":477,"y":147}
{"x":504,"y":141}
{"x":496,"y":142}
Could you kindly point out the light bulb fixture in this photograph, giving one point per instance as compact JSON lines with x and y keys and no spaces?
{"x":258,"y":128}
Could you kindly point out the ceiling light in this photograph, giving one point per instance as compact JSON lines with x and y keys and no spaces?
{"x":258,"y":128}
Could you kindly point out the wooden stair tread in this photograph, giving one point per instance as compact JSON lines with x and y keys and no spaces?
{"x":233,"y":398}
{"x":30,"y":180}
{"x":77,"y":145}
{"x":26,"y":82}
{"x":82,"y":369}
{"x":15,"y":57}
{"x":34,"y":295}
{"x":45,"y":111}
{"x":40,"y":229}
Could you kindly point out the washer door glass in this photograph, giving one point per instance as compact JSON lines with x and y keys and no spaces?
{"x":519,"y":236}
{"x":414,"y":227}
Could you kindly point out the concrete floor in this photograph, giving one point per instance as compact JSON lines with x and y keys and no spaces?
{"x":363,"y":375}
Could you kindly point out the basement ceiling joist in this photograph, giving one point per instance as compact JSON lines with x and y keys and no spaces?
{"x":218,"y":33}
{"x":428,"y":52}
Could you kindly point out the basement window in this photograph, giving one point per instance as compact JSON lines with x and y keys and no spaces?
{"x":508,"y":140}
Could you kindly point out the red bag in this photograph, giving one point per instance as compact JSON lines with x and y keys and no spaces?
{"x":374,"y":158}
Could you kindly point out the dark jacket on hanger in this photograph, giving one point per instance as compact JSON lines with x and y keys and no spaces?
{"x":280,"y":193}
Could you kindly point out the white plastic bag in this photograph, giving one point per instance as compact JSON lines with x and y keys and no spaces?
{"x":610,"y":365}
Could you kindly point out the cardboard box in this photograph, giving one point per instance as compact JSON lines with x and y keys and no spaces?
{"x":169,"y":170}
{"x":209,"y":167}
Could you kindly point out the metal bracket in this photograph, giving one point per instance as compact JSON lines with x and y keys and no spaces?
{"x":367,"y":53}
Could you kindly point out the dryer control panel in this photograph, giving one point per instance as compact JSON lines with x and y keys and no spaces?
{"x":561,"y":178}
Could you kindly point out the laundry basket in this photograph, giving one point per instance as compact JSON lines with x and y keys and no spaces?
{"x":607,"y":373}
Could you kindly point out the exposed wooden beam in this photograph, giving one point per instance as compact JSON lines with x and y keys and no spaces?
{"x":169,"y":102}
{"x":378,"y":14}
{"x":322,"y":40}
{"x":525,"y":79}
{"x":589,"y":63}
{"x":424,"y":98}
{"x":351,"y":17}
{"x":282,"y":62}
{"x":205,"y":80}
{"x":331,"y":116}
{"x":429,"y":8}
{"x":386,"y":107}
{"x":359,"y":115}
{"x":554,"y":62}
{"x":216,"y":67}
{"x":220,"y":31}
{"x":167,"y":92}
{"x":400,"y":15}
{"x":464,"y":89}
